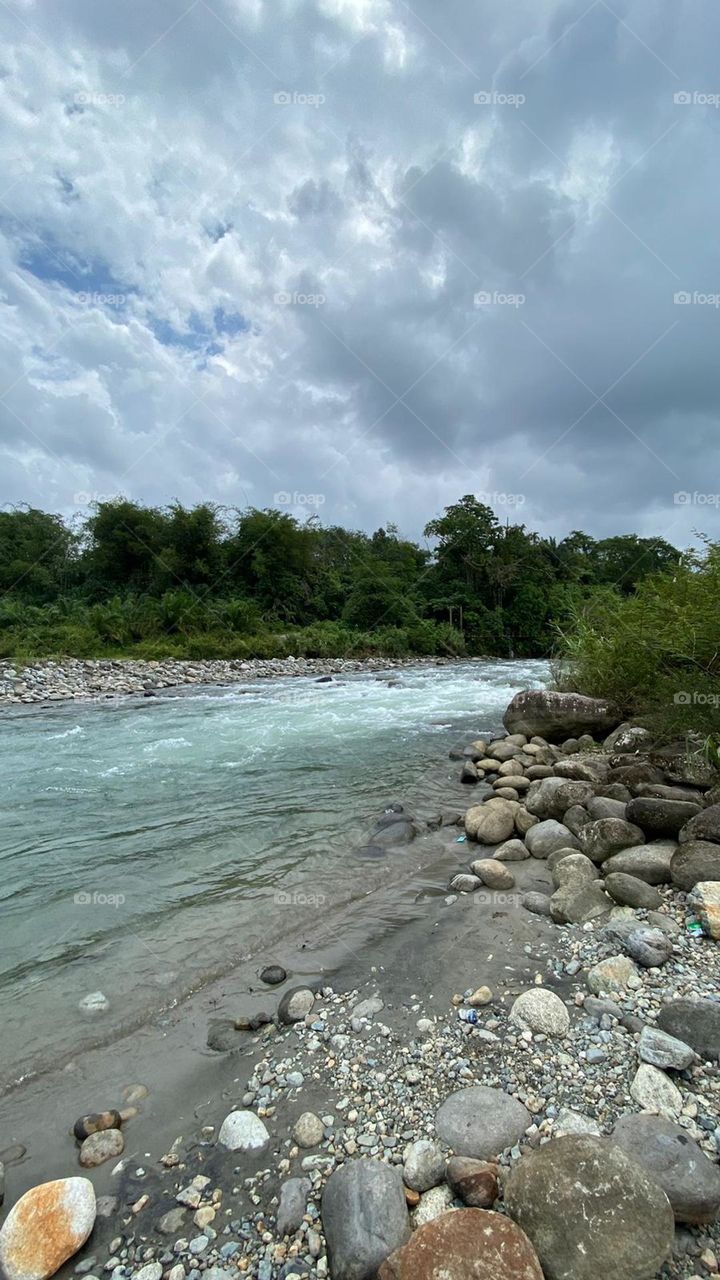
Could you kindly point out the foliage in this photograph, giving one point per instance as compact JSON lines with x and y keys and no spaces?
{"x":656,"y":652}
{"x":213,"y":582}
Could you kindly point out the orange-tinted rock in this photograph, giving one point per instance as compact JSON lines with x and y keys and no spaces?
{"x":465,"y":1244}
{"x":46,"y":1227}
{"x":474,"y":1181}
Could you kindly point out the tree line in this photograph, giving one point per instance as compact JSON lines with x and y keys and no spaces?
{"x":207,"y":581}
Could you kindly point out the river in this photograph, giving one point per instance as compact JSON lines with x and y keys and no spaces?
{"x":149,"y":845}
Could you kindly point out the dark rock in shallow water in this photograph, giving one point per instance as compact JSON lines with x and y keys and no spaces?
{"x":223,"y":1036}
{"x":396,"y":833}
{"x":391,"y":818}
{"x":371,"y":852}
{"x":324,"y":680}
{"x":273,"y":975}
{"x":95,"y":1122}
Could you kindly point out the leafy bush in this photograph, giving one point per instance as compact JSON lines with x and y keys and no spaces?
{"x":656,"y":653}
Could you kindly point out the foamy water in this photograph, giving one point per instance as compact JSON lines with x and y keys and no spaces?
{"x":146,"y":844}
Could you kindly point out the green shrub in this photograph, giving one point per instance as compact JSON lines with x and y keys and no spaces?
{"x":656,"y":653}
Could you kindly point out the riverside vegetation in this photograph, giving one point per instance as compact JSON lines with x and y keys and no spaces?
{"x":527,"y":1091}
{"x":146,"y":582}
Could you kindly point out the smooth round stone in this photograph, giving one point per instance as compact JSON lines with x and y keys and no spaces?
{"x":308,"y":1130}
{"x":273,"y":975}
{"x":243,"y":1131}
{"x":45,"y":1227}
{"x":101,"y":1146}
{"x":481,"y":1122}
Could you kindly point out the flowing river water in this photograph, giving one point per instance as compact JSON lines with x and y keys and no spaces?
{"x":147,"y":846}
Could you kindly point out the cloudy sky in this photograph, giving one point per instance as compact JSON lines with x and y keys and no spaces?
{"x":362,"y":257}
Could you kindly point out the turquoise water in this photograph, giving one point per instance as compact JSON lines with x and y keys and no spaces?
{"x":148,"y":844}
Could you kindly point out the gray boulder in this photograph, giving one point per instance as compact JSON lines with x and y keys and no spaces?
{"x":576,"y":819}
{"x":574,"y":869}
{"x":576,"y":903}
{"x":648,"y":862}
{"x":704,"y":826}
{"x":364,"y":1218}
{"x":511,"y":851}
{"x":541,"y":796}
{"x":695,"y":861}
{"x":690,"y":1181}
{"x":490,"y":823}
{"x":293,"y":1202}
{"x":696,"y":1022}
{"x":607,"y":836}
{"x":296,"y":1004}
{"x":423,"y":1166}
{"x":557,"y":716}
{"x":650,"y":948}
{"x":663,"y":1051}
{"x":606,"y":807}
{"x":464,"y":883}
{"x":628,"y":737}
{"x":537,"y":903}
{"x":659,"y":817}
{"x":629,"y":891}
{"x":541,"y":1011}
{"x":590,"y":1211}
{"x":545,"y":837}
{"x":481,"y":1122}
{"x":569,"y":794}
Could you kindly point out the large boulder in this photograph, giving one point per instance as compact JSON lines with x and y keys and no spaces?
{"x":243,"y":1131}
{"x":574,"y":869}
{"x":468,"y":1244}
{"x":579,"y":902}
{"x":490,"y":823}
{"x":629,"y":891}
{"x":696,"y":1022}
{"x":540,"y":799}
{"x":648,"y":862}
{"x":545,"y":837}
{"x":663,"y":1051}
{"x":704,"y":901}
{"x":590,"y":1211}
{"x":45,"y":1227}
{"x":628,"y":737}
{"x":695,"y":861}
{"x":569,"y":794}
{"x":659,"y":817}
{"x":481,"y":1122}
{"x":649,"y":947}
{"x":601,"y":839}
{"x":364,"y":1218}
{"x":690,"y":1181}
{"x":704,"y":826}
{"x":556,"y":716}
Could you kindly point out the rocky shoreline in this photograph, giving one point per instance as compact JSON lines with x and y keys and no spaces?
{"x":529,"y":1087}
{"x":105,"y":678}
